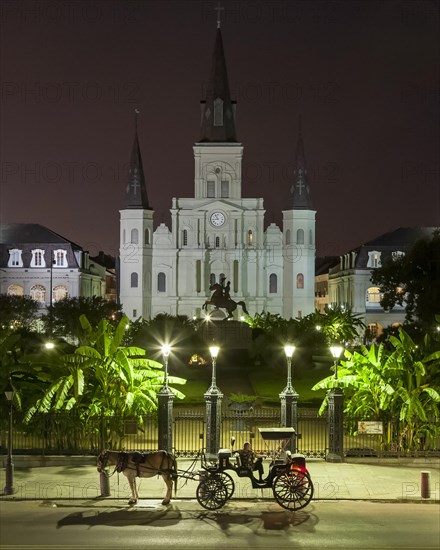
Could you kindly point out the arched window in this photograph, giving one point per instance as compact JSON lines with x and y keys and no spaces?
{"x":222,"y":277}
{"x":161,"y":282}
{"x":15,"y":290}
{"x":134,"y":278}
{"x":273,"y":283}
{"x":59,"y":293}
{"x":147,"y":236}
{"x":134,"y":236}
{"x":210,"y":188}
{"x":250,"y":239}
{"x":300,"y":236}
{"x":123,"y":236}
{"x":185,"y":237}
{"x":224,"y":190}
{"x":300,"y":280}
{"x":288,"y":236}
{"x":310,"y":236}
{"x":212,"y":279}
{"x":38,"y":293}
{"x":217,"y":242}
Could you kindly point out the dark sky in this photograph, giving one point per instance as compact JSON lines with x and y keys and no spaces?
{"x":362,"y":75}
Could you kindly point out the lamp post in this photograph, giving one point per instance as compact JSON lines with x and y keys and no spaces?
{"x":9,"y":487}
{"x":165,"y":408}
{"x":213,"y":399}
{"x":335,"y":398}
{"x":289,"y":400}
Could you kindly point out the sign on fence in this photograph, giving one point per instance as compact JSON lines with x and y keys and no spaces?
{"x":370,"y":427}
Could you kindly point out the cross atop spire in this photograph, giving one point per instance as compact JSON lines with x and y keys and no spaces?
{"x":301,"y":189}
{"x":219,"y":8}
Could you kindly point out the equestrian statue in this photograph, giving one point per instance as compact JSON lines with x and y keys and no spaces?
{"x":221,"y":298}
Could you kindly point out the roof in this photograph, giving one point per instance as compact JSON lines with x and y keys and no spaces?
{"x":136,"y":189}
{"x":28,"y":233}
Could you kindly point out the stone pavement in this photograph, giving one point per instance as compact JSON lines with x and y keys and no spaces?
{"x":391,"y":480}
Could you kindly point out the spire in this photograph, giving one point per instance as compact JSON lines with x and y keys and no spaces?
{"x":136,"y":190}
{"x":301,"y":188}
{"x":218,"y":111}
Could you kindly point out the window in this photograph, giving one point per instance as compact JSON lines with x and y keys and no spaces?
{"x":222,"y":276}
{"x":15,"y":290}
{"x":211,"y":188}
{"x":310,"y":237}
{"x":161,"y":282}
{"x":300,"y":314}
{"x":218,"y":112}
{"x":374,"y":259}
{"x":134,"y":278}
{"x":38,"y":293}
{"x":288,"y":236}
{"x":147,"y":236}
{"x":59,"y":293}
{"x":60,"y":258}
{"x":135,"y":312}
{"x":396,"y":255}
{"x":273,"y":283}
{"x":185,"y":237}
{"x":300,"y":236}
{"x":225,"y":189}
{"x":134,"y":236}
{"x":374,"y":296}
{"x":217,"y":242}
{"x":250,"y":239}
{"x":212,"y":279}
{"x":198,"y":275}
{"x":15,"y":258}
{"x":38,"y":258}
{"x":235,"y":275}
{"x":300,"y":280}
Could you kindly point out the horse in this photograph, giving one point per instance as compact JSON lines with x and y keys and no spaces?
{"x":225,"y":302}
{"x":136,"y":464}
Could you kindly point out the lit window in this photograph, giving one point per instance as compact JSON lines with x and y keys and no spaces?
{"x":15,"y":258}
{"x":218,"y":112}
{"x":38,"y":293}
{"x":134,"y":280}
{"x":374,"y":259}
{"x":374,"y":295}
{"x":300,"y":236}
{"x":59,"y":293}
{"x":250,"y":239}
{"x":273,"y":283}
{"x":300,"y":280}
{"x":15,"y":290}
{"x":161,"y":282}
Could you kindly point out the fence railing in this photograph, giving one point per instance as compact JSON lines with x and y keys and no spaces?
{"x":51,"y":434}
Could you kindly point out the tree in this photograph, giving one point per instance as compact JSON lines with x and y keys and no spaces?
{"x":18,"y":311}
{"x":63,"y":318}
{"x":103,"y":378}
{"x":413,"y":281}
{"x":399,"y":382}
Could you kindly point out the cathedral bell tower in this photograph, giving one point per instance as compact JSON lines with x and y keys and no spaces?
{"x":136,"y":238}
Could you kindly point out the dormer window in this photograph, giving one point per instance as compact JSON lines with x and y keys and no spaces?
{"x":37,"y":259}
{"x":218,"y":112}
{"x":15,"y":259}
{"x":374,"y":259}
{"x":396,"y":255}
{"x":60,"y":258}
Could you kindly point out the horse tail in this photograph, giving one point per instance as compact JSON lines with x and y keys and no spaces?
{"x":243,"y":305}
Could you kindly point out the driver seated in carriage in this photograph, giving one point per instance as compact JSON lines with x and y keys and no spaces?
{"x":251,"y":460}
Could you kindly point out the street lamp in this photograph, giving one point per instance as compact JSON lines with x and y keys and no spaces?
{"x":166,"y":353}
{"x":289,"y":351}
{"x":336,"y":352}
{"x":213,"y":350}
{"x":289,"y":400}
{"x":9,"y":487}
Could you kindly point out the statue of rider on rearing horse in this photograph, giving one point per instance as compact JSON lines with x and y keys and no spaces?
{"x":221,"y":298}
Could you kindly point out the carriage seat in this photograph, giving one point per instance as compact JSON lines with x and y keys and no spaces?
{"x":223,"y":456}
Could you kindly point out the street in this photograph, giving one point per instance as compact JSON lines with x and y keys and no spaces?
{"x":240,"y":524}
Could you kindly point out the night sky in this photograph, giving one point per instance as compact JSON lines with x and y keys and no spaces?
{"x":363,"y":76}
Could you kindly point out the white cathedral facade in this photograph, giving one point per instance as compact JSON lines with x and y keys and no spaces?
{"x":217,"y":233}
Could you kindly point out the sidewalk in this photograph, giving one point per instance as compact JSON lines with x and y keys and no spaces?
{"x":387,"y":480}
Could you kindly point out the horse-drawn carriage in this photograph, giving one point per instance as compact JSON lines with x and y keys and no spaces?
{"x":288,"y":477}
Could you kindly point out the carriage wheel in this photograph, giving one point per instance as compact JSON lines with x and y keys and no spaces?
{"x":214,"y":490}
{"x":293,"y":490}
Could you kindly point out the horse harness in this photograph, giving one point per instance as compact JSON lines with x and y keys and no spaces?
{"x":139,"y":459}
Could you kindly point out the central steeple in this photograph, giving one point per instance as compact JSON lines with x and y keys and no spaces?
{"x":301,"y":188}
{"x":136,"y":190}
{"x":218,"y":110}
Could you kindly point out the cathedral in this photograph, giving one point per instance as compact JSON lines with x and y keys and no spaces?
{"x":216,"y":236}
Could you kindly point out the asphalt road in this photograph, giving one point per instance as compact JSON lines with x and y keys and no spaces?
{"x":184,"y":524}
